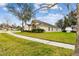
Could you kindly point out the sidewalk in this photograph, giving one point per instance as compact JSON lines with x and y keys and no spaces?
{"x":44,"y":41}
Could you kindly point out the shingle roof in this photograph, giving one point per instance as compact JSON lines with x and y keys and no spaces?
{"x":41,"y":22}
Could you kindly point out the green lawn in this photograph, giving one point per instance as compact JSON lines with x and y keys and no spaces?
{"x":69,"y":38}
{"x":12,"y":46}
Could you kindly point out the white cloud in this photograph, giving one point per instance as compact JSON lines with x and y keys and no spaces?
{"x":56,"y":7}
{"x":43,"y":11}
{"x":37,"y":6}
{"x":3,"y":4}
{"x":4,"y":8}
{"x":51,"y":18}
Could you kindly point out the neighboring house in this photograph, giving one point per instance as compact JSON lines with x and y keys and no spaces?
{"x":72,"y":28}
{"x":42,"y":25}
{"x":68,"y":29}
{"x":7,"y":27}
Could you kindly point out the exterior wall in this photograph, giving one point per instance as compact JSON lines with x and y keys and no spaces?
{"x":30,"y":28}
{"x":26,"y":27}
{"x":57,"y":30}
{"x":50,"y":29}
{"x":46,"y":28}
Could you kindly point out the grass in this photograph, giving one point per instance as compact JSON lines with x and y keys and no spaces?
{"x":69,"y":38}
{"x":12,"y":46}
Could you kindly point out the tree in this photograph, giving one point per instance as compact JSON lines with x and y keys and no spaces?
{"x":72,"y":18}
{"x":77,"y":32}
{"x":48,"y":6}
{"x":68,"y":21}
{"x":23,"y":11}
{"x":60,"y":23}
{"x":7,"y":22}
{"x":77,"y":39}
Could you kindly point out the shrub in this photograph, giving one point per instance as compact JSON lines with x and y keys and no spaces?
{"x":63,"y":30}
{"x":73,"y":31}
{"x":38,"y":30}
{"x":26,"y":31}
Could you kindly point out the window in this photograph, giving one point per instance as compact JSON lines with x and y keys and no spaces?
{"x":48,"y":28}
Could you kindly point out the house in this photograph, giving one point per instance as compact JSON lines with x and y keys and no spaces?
{"x":72,"y":28}
{"x":35,"y":24}
{"x":68,"y":29}
{"x":7,"y":27}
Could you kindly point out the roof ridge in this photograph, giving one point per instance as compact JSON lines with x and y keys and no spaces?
{"x":43,"y":22}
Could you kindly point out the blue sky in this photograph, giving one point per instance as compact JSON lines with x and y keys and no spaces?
{"x":50,"y":16}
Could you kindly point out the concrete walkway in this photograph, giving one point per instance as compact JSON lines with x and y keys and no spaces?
{"x":44,"y":41}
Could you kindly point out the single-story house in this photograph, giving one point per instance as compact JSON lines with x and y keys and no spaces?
{"x":68,"y":29}
{"x":7,"y":27}
{"x":74,"y":27}
{"x":42,"y":25}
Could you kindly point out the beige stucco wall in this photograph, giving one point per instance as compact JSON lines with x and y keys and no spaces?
{"x":56,"y":30}
{"x":52,"y":29}
{"x":26,"y":27}
{"x":46,"y":28}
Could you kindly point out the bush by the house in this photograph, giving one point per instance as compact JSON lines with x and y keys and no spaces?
{"x":63,"y":30}
{"x":26,"y":31}
{"x":38,"y":30}
{"x":73,"y":31}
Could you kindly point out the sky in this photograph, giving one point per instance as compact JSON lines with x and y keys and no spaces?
{"x":50,"y":16}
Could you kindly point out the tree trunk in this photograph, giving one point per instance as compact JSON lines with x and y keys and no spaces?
{"x":25,"y":23}
{"x":22,"y":26}
{"x":77,"y":39}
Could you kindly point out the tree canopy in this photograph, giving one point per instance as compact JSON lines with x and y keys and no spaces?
{"x":23,"y":11}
